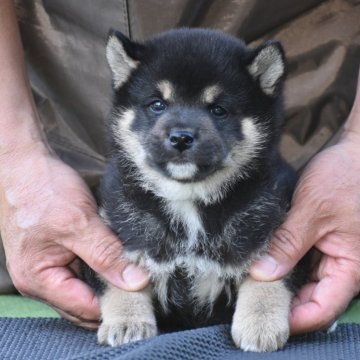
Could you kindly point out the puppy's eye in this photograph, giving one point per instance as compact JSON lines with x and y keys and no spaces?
{"x":218,"y":111}
{"x":157,"y":106}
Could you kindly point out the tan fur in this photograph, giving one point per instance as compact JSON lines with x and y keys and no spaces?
{"x":260,"y":321}
{"x":120,"y":63}
{"x":166,"y":90}
{"x":126,"y":316}
{"x":210,"y":93}
{"x":269,"y":65}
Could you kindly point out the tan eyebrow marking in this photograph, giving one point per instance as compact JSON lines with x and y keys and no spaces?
{"x":210,"y":93}
{"x":166,"y":90}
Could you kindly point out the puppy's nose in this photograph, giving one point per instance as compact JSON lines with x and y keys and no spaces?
{"x":181,"y":139}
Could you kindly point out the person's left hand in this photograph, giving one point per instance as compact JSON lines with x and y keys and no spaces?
{"x":325,"y":214}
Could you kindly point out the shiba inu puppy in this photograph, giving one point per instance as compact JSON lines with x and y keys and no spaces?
{"x":195,"y":186}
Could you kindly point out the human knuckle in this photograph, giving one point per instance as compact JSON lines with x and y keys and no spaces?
{"x":74,"y":221}
{"x":21,"y":283}
{"x":286,"y":243}
{"x":106,"y":253}
{"x":317,"y":199}
{"x":326,"y":206}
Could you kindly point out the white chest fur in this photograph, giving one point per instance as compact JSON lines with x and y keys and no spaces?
{"x":185,"y":212}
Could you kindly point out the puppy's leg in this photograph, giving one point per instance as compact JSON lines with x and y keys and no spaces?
{"x":261,"y":318}
{"x":126,"y":316}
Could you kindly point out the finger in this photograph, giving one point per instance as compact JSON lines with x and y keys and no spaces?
{"x":86,"y":324}
{"x":72,"y":317}
{"x":289,"y":244}
{"x":318,"y":305}
{"x":102,"y":251}
{"x":60,"y":288}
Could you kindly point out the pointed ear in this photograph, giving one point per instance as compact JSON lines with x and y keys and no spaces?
{"x":267,"y":66}
{"x":123,"y":56}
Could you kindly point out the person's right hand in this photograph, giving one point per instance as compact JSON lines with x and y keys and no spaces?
{"x":48,"y":218}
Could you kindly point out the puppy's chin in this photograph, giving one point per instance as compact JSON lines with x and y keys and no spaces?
{"x":182,"y":171}
{"x":188,"y":172}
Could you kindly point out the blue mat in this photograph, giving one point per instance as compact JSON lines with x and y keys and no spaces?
{"x":43,"y":338}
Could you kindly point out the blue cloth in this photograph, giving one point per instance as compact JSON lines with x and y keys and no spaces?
{"x":57,"y":339}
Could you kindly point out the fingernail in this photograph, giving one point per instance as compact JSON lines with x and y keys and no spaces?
{"x":264,"y":268}
{"x":134,"y":277}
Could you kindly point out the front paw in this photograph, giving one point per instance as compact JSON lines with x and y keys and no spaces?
{"x":260,"y":336}
{"x":126,"y":316}
{"x":120,"y":332}
{"x":261,"y":318}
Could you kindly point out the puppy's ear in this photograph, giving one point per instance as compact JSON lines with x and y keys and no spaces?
{"x":267,"y":66}
{"x":123,"y":56}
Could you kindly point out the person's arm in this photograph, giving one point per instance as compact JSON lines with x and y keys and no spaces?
{"x":352,"y":125}
{"x":48,"y":217}
{"x":19,"y":123}
{"x":325,"y":213}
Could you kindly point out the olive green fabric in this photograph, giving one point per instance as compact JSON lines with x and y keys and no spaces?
{"x":352,"y":314}
{"x":18,"y":306}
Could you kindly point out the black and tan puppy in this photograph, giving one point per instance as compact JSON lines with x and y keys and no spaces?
{"x":195,"y":185}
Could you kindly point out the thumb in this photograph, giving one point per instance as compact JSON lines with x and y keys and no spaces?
{"x":102,"y":251}
{"x":289,"y":244}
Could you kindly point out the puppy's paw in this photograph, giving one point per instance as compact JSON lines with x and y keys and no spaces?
{"x":261,"y":318}
{"x":116,"y":333}
{"x":126,"y":316}
{"x":260,"y":335}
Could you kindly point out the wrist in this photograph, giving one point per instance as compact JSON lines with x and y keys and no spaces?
{"x":351,"y":131}
{"x":22,"y":161}
{"x":352,"y":124}
{"x":21,"y":133}
{"x":352,"y":138}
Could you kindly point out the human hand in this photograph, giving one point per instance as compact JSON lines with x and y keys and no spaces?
{"x":48,"y":218}
{"x":325,"y":214}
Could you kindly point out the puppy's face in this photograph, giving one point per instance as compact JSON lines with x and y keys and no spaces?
{"x":191,"y":104}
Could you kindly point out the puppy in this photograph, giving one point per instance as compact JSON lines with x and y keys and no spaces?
{"x":195,"y":186}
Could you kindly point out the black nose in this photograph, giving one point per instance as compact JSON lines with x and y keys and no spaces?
{"x":181,"y":139}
